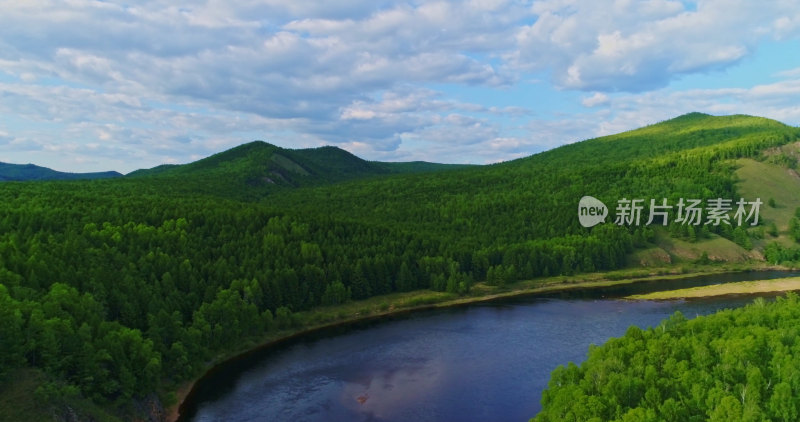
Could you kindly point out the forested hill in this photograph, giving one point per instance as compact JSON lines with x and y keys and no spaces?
{"x":254,"y":169}
{"x":23,"y":172}
{"x":687,"y":135}
{"x":113,"y":289}
{"x":536,"y":197}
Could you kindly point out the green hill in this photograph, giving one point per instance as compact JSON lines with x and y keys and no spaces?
{"x":113,"y":289}
{"x":24,"y":172}
{"x":254,"y":169}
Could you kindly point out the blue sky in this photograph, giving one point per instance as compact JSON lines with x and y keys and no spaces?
{"x":91,"y":86}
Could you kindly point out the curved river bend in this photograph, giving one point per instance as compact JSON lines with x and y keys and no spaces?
{"x":485,"y":362}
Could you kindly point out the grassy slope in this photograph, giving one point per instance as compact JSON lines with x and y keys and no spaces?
{"x":756,"y":179}
{"x":765,"y":180}
{"x":672,"y":251}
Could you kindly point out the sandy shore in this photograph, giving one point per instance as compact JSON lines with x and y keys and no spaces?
{"x":742,"y":287}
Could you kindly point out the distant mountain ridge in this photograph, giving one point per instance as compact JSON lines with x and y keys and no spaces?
{"x":259,"y":167}
{"x":25,"y":172}
{"x":259,"y":157}
{"x":253,"y":164}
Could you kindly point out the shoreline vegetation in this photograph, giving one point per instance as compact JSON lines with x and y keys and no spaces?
{"x":387,"y":306}
{"x":733,"y":288}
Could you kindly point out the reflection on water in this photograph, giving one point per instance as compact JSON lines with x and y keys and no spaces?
{"x":382,"y":392}
{"x":480,"y":363}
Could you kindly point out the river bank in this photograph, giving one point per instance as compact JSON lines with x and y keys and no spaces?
{"x":742,"y":287}
{"x":384,"y":307}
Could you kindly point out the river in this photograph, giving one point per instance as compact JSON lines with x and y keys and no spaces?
{"x":482,"y":362}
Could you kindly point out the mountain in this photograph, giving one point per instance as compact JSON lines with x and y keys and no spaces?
{"x":23,"y":172}
{"x":259,"y":167}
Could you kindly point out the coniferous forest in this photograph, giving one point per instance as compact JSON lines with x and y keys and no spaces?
{"x":117,"y":290}
{"x":737,"y":364}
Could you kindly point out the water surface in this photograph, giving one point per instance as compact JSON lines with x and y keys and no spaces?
{"x":486,"y":362}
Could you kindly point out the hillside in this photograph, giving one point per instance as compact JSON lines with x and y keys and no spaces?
{"x":536,"y":197}
{"x":254,"y":169}
{"x":687,"y":134}
{"x":24,"y":172}
{"x":129,"y":286}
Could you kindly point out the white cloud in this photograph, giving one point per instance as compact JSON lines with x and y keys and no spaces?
{"x":598,"y":98}
{"x":791,"y":73}
{"x":135,"y":84}
{"x":613,"y":45}
{"x":776,"y":101}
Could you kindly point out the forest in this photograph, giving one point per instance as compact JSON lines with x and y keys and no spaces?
{"x":735,"y":365}
{"x":120,"y":289}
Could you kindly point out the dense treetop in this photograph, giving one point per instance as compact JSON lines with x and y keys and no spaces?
{"x":736,"y":365}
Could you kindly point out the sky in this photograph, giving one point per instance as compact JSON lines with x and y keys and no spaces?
{"x":107,"y":85}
